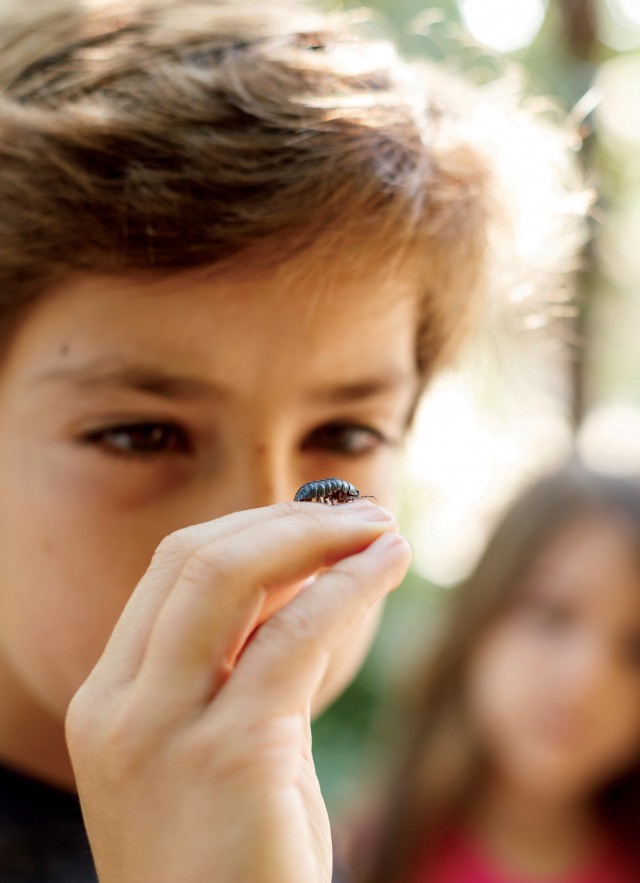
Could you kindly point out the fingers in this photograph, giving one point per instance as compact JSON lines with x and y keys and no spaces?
{"x":217,"y":599}
{"x":203,"y":593}
{"x":286,"y":661}
{"x":123,"y":655}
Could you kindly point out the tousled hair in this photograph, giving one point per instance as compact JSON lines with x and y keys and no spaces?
{"x":438,"y":758}
{"x":161,"y":135}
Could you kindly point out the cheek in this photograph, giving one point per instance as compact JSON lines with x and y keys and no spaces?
{"x":499,"y":681}
{"x":378,"y":478}
{"x":539,"y":728}
{"x":509,"y":684}
{"x":66,"y":572}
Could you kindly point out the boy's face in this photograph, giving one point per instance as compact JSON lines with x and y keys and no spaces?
{"x":130,"y":408}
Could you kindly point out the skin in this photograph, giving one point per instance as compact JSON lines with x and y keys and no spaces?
{"x":191,"y":720}
{"x":555,"y":689}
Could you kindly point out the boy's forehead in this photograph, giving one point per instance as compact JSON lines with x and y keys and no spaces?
{"x":346,"y":324}
{"x":298,"y":294}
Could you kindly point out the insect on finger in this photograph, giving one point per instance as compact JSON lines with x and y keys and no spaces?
{"x":330,"y":491}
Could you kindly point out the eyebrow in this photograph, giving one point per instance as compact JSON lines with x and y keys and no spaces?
{"x":174,"y":386}
{"x":139,"y":379}
{"x":364,"y":389}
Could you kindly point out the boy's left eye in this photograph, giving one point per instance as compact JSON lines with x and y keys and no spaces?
{"x":140,"y":439}
{"x":350,"y":439}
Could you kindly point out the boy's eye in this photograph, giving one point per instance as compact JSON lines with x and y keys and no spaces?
{"x":349,"y":439}
{"x":140,"y":439}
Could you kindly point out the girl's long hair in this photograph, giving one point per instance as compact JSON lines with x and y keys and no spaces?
{"x":440,"y":760}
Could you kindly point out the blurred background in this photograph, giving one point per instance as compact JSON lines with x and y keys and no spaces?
{"x":520,"y":402}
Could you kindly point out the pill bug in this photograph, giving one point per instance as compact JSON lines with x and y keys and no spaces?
{"x":327,"y":490}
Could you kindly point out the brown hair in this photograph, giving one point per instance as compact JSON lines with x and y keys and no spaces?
{"x":439,"y":759}
{"x":149,"y":135}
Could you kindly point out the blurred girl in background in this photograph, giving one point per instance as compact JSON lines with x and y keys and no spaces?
{"x":522,"y":754}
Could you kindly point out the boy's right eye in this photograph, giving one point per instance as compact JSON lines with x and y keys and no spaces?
{"x":142,"y":440}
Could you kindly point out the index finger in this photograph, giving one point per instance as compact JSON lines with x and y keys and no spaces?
{"x":123,"y":654}
{"x":218,"y":596}
{"x":131,"y":637}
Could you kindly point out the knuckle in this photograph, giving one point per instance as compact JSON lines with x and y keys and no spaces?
{"x":209,"y":564}
{"x":303,"y":622}
{"x":125,"y":742}
{"x":346,"y":581}
{"x":180,"y":545}
{"x":82,"y":720}
{"x":117,"y":739}
{"x":170,"y":552}
{"x":178,"y":542}
{"x":76,"y":720}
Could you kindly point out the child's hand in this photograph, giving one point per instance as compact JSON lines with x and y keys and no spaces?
{"x":191,"y":746}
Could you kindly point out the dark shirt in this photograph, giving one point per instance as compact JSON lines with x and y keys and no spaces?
{"x":42,"y":836}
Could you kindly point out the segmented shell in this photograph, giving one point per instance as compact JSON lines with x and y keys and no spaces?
{"x":327,"y":490}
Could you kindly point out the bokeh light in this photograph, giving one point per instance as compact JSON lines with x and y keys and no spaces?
{"x":479,"y":436}
{"x":619,"y":24}
{"x":629,"y":9}
{"x":609,"y":438}
{"x":503,"y":25}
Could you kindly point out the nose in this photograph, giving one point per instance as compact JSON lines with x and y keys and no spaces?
{"x":259,"y":474}
{"x":270,"y":474}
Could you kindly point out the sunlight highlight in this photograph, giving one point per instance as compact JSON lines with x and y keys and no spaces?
{"x":503,"y":25}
